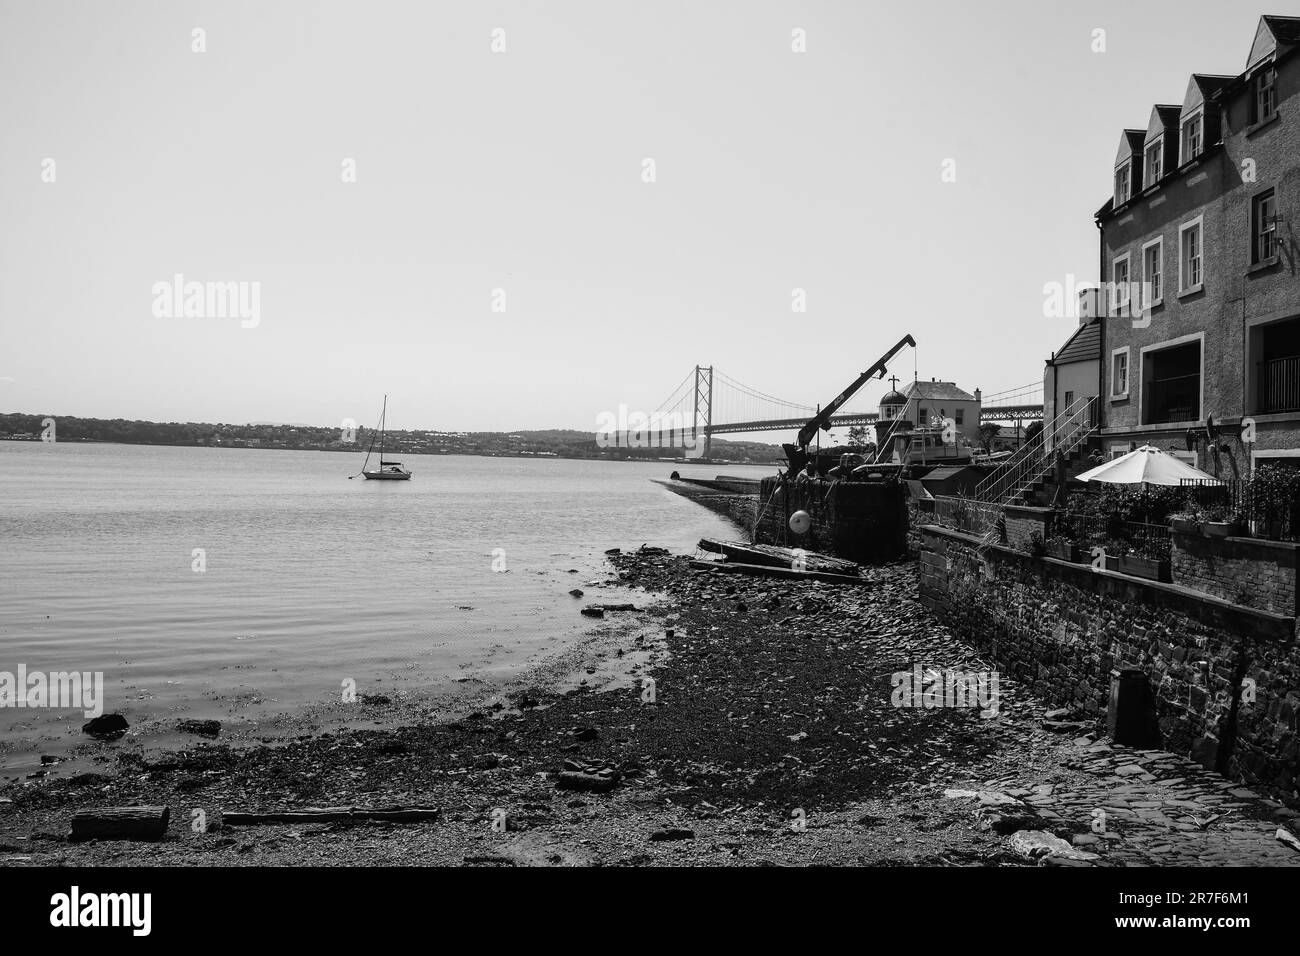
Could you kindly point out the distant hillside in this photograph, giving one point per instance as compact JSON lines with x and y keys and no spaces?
{"x":555,"y":442}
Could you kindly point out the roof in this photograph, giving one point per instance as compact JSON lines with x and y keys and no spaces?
{"x":943,"y":472}
{"x":1083,"y":346}
{"x":1286,"y":29}
{"x":942,"y":391}
{"x":893,"y":398}
{"x":1130,"y":143}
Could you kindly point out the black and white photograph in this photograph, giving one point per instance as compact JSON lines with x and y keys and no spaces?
{"x":443,"y":441}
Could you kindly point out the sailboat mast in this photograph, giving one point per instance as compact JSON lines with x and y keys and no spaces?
{"x":383,"y":417}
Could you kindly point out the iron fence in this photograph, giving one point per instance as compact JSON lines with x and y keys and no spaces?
{"x":1267,"y":507}
{"x":965,"y":514}
{"x":1113,"y":534}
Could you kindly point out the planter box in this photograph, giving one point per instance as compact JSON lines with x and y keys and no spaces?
{"x":1148,"y":568}
{"x":1063,"y":551}
{"x":1112,"y":562}
{"x":1220,"y":529}
{"x":1185,"y":525}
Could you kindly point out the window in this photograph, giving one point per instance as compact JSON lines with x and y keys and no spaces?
{"x":1263,"y":227}
{"x":1155,"y":156}
{"x":1274,"y":361}
{"x":1265,"y":83}
{"x":1190,"y":275}
{"x":1193,"y":136}
{"x":961,"y":414}
{"x":1123,"y":182}
{"x":1171,"y":381}
{"x":1153,"y":254}
{"x":1069,"y":399}
{"x":1119,"y":292}
{"x":1119,"y":373}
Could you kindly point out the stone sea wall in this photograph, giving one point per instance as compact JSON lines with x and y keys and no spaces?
{"x":1225,"y":677}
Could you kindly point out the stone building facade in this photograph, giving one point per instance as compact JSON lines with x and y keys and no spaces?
{"x":1200,"y":252}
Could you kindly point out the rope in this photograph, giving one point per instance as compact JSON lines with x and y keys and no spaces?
{"x":753,"y":537}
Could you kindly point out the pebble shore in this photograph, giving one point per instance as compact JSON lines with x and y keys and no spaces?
{"x":737,"y":721}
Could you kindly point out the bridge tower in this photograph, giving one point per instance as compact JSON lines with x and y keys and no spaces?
{"x":704,"y":407}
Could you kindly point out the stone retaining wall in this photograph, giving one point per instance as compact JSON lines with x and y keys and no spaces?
{"x":1063,"y":629}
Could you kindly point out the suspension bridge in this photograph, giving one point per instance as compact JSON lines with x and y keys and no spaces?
{"x":709,"y":402}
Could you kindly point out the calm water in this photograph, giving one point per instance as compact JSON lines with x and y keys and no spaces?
{"x":310,"y":578}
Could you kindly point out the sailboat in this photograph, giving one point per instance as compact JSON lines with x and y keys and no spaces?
{"x":387,"y":470}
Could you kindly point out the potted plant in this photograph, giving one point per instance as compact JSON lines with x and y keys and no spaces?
{"x":1145,"y":566}
{"x":1037,"y":547}
{"x":1113,"y":548}
{"x":1061,"y":545}
{"x":1189,"y":520}
{"x":1219,"y":522}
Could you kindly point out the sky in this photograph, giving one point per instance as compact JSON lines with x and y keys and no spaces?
{"x":477,"y":234}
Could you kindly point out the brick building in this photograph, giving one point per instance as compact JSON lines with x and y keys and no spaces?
{"x":1201,"y":218}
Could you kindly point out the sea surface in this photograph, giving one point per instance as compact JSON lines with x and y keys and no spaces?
{"x":236,"y":583}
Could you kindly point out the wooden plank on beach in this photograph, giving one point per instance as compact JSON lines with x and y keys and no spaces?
{"x":778,"y":557}
{"x":776,"y":572}
{"x":120,"y":823}
{"x":329,"y":815}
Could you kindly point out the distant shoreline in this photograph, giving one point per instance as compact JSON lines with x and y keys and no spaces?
{"x":530,"y":456}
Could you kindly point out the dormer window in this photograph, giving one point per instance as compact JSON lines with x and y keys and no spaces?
{"x":1123,"y":184}
{"x":1265,"y":84}
{"x":1193,"y":137}
{"x":1155,"y":157}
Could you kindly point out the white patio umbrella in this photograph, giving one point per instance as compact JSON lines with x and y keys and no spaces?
{"x":1147,"y":465}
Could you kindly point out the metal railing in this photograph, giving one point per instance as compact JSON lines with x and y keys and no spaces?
{"x":1116,"y":536}
{"x":1279,"y":384}
{"x":1063,"y":434}
{"x":964,"y":514}
{"x":1273,"y":514}
{"x":1176,"y":399}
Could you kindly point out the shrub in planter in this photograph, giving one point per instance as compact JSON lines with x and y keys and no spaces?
{"x":1140,"y":566}
{"x":1220,"y":522}
{"x":1062,"y":548}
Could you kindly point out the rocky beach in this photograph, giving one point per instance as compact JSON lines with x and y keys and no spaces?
{"x":724,"y":720}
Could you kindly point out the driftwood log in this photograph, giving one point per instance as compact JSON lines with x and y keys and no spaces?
{"x":120,"y":823}
{"x":762,"y":570}
{"x":329,"y":815}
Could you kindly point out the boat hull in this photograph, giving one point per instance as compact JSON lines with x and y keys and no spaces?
{"x":387,"y":475}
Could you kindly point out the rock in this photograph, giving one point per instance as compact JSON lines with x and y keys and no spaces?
{"x":1037,"y":844}
{"x":593,"y":611}
{"x":671,"y":833}
{"x":590,"y":782}
{"x":576,"y":592}
{"x":586,"y":733}
{"x":1008,"y":823}
{"x":614,"y":551}
{"x":204,"y":728}
{"x":1284,"y":835}
{"x":106,"y":726}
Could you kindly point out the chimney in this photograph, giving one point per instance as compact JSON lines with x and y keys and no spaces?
{"x":977,"y":396}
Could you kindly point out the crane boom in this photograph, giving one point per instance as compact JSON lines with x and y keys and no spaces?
{"x":822,"y":419}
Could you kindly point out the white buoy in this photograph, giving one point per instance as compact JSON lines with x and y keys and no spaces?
{"x":800,"y":522}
